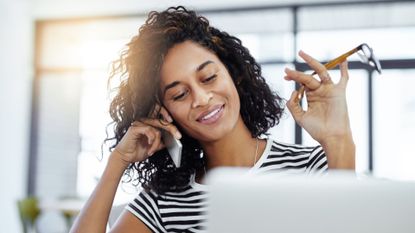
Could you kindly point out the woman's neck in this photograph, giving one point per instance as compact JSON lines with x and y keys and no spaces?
{"x":237,"y":148}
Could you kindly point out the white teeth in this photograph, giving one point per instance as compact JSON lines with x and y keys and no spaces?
{"x":211,"y":114}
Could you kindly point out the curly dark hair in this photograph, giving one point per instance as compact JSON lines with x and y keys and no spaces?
{"x":138,"y":93}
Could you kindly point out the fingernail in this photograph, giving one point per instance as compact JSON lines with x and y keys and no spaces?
{"x":178,"y":135}
{"x":299,"y":96}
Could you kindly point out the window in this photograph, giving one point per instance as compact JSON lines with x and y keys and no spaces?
{"x":73,"y":68}
{"x":73,"y":65}
{"x":394,"y":124}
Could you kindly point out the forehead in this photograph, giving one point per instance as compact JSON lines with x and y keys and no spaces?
{"x":182,"y":60}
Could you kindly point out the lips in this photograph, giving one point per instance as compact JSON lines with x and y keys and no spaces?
{"x":212,"y":115}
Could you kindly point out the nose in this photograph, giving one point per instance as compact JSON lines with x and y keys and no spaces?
{"x":201,"y":97}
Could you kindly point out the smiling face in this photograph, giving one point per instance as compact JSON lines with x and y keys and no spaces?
{"x":198,"y":92}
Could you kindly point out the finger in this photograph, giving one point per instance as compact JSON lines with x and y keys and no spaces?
{"x":344,"y":74}
{"x":136,"y":124}
{"x":161,"y":145}
{"x":148,"y":131}
{"x":166,"y":115}
{"x":306,"y":80}
{"x":325,"y":78}
{"x":293,"y":105}
{"x":156,"y":112}
{"x":300,"y":92}
{"x":319,"y":68}
{"x":156,"y":143}
{"x":153,"y":140}
{"x":168,"y":127}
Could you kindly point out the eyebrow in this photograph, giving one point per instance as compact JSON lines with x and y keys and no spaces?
{"x":199,"y":68}
{"x":171,"y":85}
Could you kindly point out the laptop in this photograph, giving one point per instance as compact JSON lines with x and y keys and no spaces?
{"x":338,"y":202}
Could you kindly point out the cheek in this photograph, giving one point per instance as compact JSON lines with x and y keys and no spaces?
{"x":178,"y":112}
{"x":180,"y":115}
{"x":233,"y":92}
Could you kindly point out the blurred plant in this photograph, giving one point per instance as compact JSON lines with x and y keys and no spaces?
{"x":69,"y":214}
{"x":29,"y":212}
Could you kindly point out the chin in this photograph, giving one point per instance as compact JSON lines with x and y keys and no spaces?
{"x":211,"y":135}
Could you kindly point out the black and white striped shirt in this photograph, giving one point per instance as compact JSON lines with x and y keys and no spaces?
{"x":184,"y":210}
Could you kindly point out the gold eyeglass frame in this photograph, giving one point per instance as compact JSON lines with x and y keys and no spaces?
{"x":367,"y":58}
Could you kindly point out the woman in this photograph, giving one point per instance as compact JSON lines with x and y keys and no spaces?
{"x":201,"y":85}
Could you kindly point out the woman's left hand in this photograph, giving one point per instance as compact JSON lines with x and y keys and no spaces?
{"x":326,"y":118}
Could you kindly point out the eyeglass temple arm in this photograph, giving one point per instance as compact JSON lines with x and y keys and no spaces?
{"x":330,"y":65}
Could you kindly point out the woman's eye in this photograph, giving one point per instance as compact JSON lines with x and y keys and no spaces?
{"x":209,"y":79}
{"x":180,"y":96}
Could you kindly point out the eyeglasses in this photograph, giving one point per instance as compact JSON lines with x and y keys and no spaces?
{"x":366,"y":56}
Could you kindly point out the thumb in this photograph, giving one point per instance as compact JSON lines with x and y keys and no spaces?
{"x":344,"y":74}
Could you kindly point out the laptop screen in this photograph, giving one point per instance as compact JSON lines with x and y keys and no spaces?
{"x":336,"y":202}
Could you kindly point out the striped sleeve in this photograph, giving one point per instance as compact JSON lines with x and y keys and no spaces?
{"x":144,"y":207}
{"x":317,"y":161}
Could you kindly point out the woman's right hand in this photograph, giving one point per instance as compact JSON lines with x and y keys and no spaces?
{"x":143,"y":138}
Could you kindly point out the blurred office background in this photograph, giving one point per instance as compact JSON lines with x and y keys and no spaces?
{"x":54,"y":63}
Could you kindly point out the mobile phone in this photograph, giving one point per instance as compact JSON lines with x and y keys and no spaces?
{"x":174,"y":146}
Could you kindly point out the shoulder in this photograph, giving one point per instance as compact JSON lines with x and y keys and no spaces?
{"x":278,"y":146}
{"x":293,"y":157}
